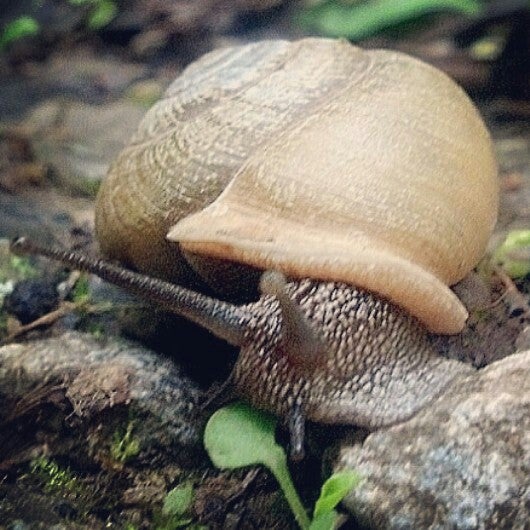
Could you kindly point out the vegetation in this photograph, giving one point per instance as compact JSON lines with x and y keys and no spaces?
{"x":124,"y":445}
{"x":359,"y":19}
{"x":513,"y":255}
{"x":175,"y":511}
{"x":99,"y":14}
{"x":55,"y":478}
{"x":24,"y":26}
{"x":16,"y":268}
{"x":239,"y":436}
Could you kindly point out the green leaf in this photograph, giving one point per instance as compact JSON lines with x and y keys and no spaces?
{"x":334,"y":490}
{"x":513,"y":255}
{"x":178,"y":500}
{"x":21,"y":27}
{"x":103,"y":12}
{"x":325,"y":521}
{"x":363,"y":19}
{"x":239,"y":436}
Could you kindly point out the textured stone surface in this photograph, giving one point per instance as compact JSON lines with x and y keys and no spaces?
{"x":81,"y":140}
{"x":98,"y":375}
{"x":462,"y":463}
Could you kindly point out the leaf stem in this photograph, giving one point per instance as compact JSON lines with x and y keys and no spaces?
{"x":278,"y":466}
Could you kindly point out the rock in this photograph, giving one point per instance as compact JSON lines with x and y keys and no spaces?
{"x":79,"y":75}
{"x":91,"y":377}
{"x":80,"y":149}
{"x":31,"y":299}
{"x":462,"y":463}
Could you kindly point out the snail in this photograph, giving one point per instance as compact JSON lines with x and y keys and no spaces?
{"x":363,"y":183}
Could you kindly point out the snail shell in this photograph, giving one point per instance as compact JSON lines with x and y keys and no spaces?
{"x":315,"y":158}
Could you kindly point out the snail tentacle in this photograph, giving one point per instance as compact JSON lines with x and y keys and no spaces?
{"x":227,"y":321}
{"x":296,"y":425}
{"x":299,"y":339}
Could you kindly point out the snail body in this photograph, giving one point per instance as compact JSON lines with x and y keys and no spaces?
{"x":373,"y":366}
{"x":366,"y":177}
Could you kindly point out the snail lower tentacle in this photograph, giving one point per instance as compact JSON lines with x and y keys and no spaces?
{"x":300,"y":340}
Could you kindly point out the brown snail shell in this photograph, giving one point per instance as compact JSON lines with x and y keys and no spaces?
{"x":315,"y":158}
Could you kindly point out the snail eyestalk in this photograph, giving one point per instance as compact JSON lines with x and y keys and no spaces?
{"x":225,"y":320}
{"x":300,"y":341}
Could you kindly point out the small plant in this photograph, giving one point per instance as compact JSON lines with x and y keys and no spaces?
{"x":239,"y":436}
{"x":100,"y":13}
{"x":55,"y":478}
{"x":176,"y":504}
{"x":178,"y":500}
{"x":81,"y":290}
{"x":19,"y":28}
{"x":513,"y":255}
{"x":124,"y":445}
{"x":175,"y":510}
{"x":333,"y":491}
{"x":361,"y":19}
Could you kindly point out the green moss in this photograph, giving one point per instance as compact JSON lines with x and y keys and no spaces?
{"x":16,"y":268}
{"x":81,"y":290}
{"x":124,"y":445}
{"x":55,"y":478}
{"x":96,"y":329}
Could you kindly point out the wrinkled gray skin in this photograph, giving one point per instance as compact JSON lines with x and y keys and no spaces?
{"x":375,"y":366}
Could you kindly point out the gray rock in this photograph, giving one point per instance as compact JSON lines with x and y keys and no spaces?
{"x":97,"y":375}
{"x":87,"y":140}
{"x":462,"y":463}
